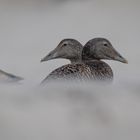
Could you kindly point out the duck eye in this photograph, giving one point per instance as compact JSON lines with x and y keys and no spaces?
{"x":64,"y":44}
{"x":105,"y":44}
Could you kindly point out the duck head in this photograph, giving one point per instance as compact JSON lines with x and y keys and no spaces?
{"x":101,"y":48}
{"x":68,"y":49}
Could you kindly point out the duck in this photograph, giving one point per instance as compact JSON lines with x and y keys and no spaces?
{"x":90,"y":66}
{"x":96,"y":50}
{"x":70,"y":49}
{"x":6,"y":77}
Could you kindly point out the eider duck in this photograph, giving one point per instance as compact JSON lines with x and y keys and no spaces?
{"x":95,"y":50}
{"x":91,"y":67}
{"x":8,"y":77}
{"x":70,"y":49}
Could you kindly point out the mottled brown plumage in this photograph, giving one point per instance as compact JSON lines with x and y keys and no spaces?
{"x":97,"y":70}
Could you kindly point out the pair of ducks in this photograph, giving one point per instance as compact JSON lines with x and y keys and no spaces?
{"x":85,"y":60}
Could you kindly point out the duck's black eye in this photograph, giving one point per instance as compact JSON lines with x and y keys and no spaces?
{"x":64,"y":44}
{"x":105,"y":44}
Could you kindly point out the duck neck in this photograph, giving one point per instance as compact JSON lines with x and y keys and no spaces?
{"x":90,"y":60}
{"x":75,"y":60}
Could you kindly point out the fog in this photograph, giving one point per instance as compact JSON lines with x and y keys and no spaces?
{"x":28,"y":31}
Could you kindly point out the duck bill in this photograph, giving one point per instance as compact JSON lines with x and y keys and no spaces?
{"x":121,"y":59}
{"x":114,"y":55}
{"x":52,"y":55}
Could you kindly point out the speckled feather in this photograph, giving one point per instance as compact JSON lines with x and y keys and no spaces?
{"x":100,"y":70}
{"x":97,"y":70}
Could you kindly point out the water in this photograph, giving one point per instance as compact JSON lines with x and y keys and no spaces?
{"x":28,"y":31}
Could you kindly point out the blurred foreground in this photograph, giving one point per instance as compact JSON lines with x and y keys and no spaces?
{"x":70,"y":112}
